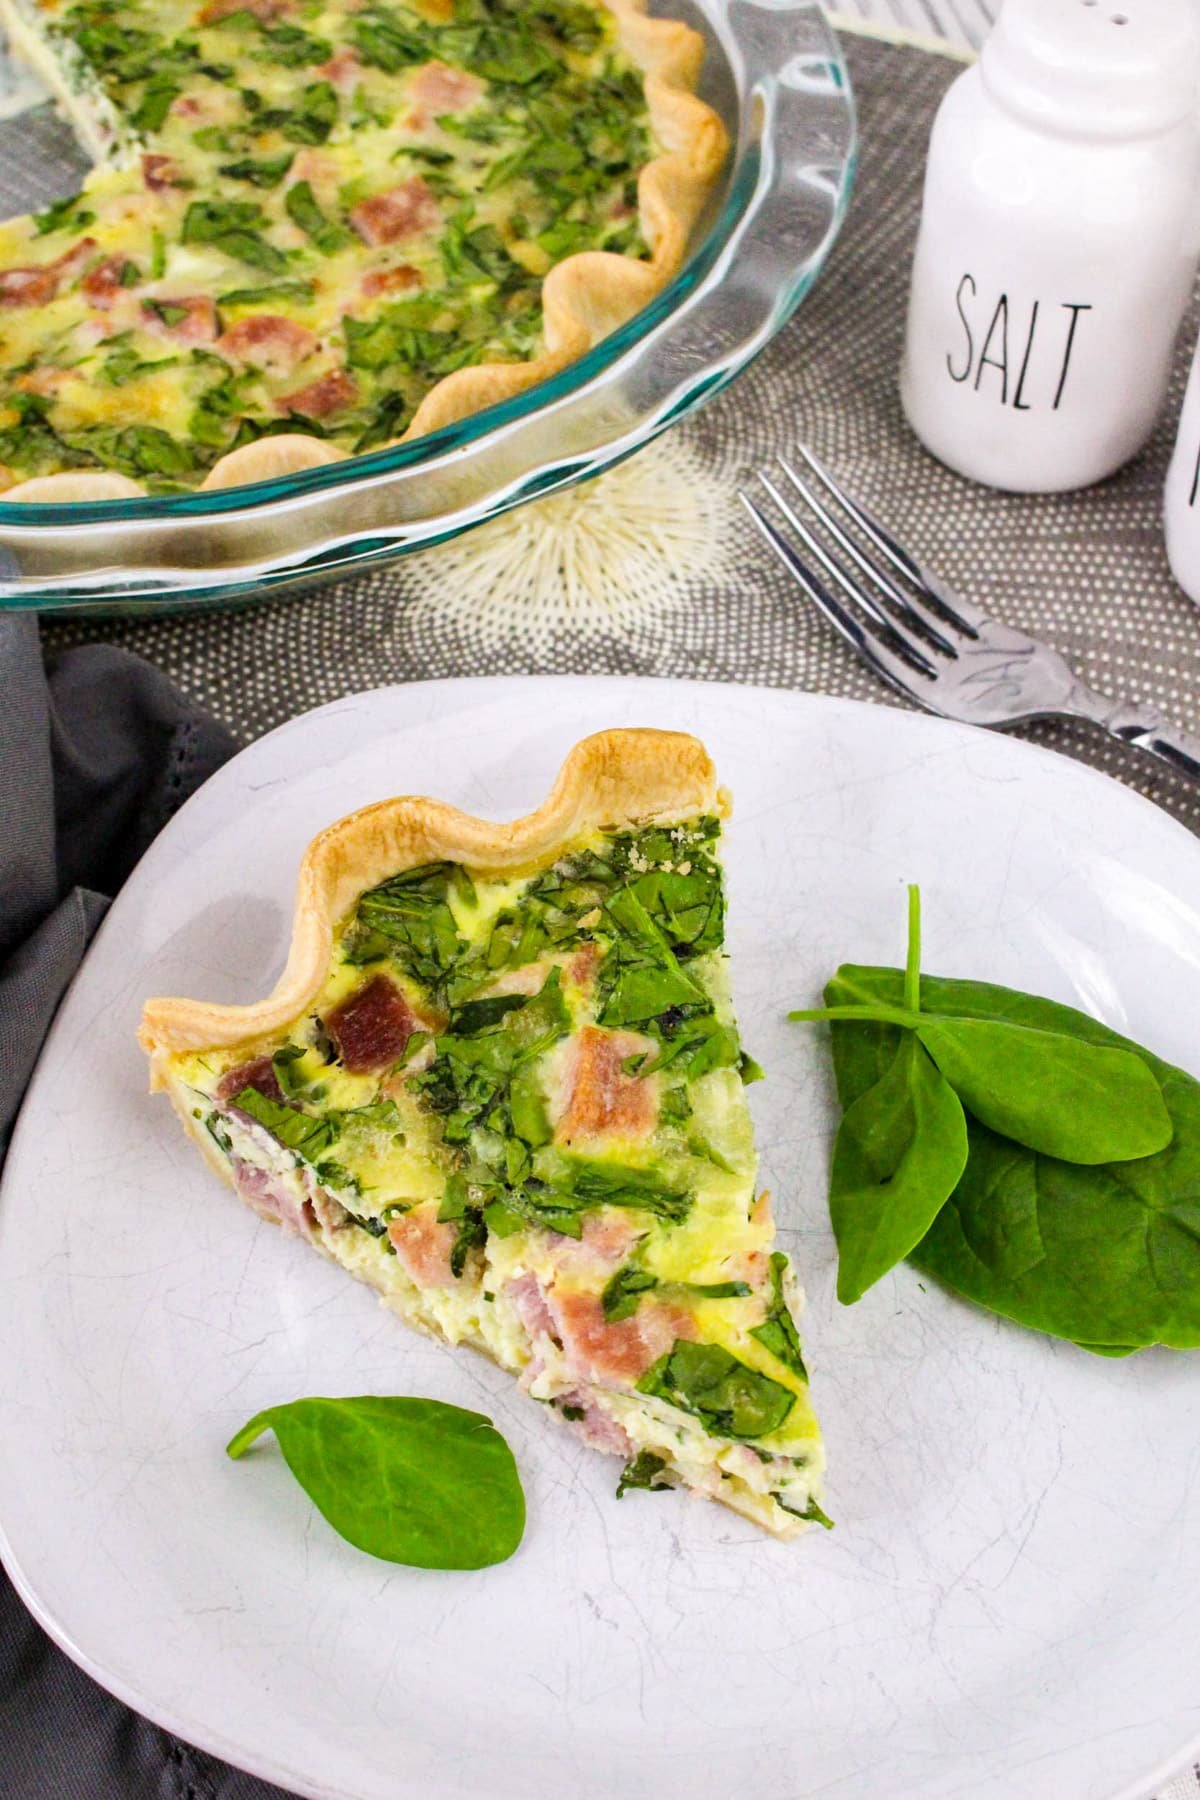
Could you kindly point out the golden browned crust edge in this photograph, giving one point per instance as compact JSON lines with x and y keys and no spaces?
{"x":269,"y":458}
{"x":612,"y":779}
{"x":584,"y":298}
{"x":73,"y":487}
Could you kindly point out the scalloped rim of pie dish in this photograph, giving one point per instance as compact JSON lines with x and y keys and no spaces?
{"x":584,"y":298}
{"x":609,"y":781}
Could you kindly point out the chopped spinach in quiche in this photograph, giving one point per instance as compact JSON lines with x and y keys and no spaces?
{"x":515,"y":1105}
{"x":306,"y":214}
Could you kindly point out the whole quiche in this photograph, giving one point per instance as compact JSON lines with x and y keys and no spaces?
{"x":317,"y":227}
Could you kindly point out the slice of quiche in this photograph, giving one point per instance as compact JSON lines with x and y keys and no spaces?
{"x":500,"y":1080}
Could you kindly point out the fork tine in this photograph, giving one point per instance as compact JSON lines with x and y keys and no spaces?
{"x":891,"y":667}
{"x":958,"y":611}
{"x":891,"y":636}
{"x":913,"y":615}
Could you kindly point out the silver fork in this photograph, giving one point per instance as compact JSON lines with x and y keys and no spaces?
{"x":940,"y":650}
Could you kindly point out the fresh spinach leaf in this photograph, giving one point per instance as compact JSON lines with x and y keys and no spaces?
{"x":643,"y":1471}
{"x":478,"y":1015}
{"x":64,"y":215}
{"x":309,"y":1137}
{"x":623,"y":1293}
{"x":900,"y":1152}
{"x":266,"y":295}
{"x":388,"y":40}
{"x":310,"y":121}
{"x":408,"y":918}
{"x":158,"y":96}
{"x":1051,"y":1091}
{"x":291,"y":47}
{"x":409,"y":1481}
{"x":125,"y":364}
{"x":259,"y":171}
{"x":1085,"y":1103}
{"x":629,"y":1285}
{"x":778,"y":1333}
{"x":641,"y":974}
{"x":236,"y":228}
{"x":1102,"y":1255}
{"x":729,"y":1398}
{"x":813,"y":1513}
{"x":135,"y":450}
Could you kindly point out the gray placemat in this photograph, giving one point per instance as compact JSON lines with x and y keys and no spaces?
{"x":1086,"y":571}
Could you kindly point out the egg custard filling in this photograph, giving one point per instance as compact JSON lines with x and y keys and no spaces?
{"x":309,"y":215}
{"x":516,"y":1107}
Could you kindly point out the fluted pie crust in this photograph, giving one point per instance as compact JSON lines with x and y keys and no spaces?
{"x":610,"y":780}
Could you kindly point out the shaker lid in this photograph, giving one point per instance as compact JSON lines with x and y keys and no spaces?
{"x":1100,"y":68}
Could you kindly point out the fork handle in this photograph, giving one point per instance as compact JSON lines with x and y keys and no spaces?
{"x":1146,"y":729}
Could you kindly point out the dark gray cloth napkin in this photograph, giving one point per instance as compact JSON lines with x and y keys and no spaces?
{"x":95,"y":756}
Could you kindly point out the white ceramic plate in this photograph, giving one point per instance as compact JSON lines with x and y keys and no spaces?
{"x":1007,"y":1609}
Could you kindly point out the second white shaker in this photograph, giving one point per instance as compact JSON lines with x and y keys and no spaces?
{"x":1058,"y":242}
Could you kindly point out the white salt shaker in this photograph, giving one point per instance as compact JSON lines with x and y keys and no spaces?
{"x":1058,"y":243}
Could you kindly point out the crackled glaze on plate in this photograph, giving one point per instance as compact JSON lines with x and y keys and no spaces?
{"x":1006,"y":1608}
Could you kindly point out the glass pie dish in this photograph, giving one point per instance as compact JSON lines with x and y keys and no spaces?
{"x":775,"y":73}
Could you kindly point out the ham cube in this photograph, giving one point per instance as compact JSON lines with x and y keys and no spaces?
{"x":397,"y":280}
{"x":328,"y":394}
{"x":103,"y":283}
{"x":398,"y":212}
{"x":372,"y":1027}
{"x":440,"y":89}
{"x":423,"y":1246}
{"x":267,"y":341}
{"x":602,"y":1099}
{"x":191,"y":318}
{"x":38,"y":285}
{"x":258,"y":1074}
{"x":616,"y":1353}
